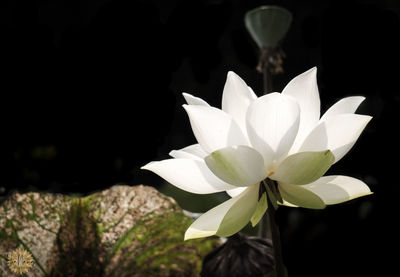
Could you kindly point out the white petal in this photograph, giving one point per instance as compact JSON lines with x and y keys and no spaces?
{"x":236,"y":98}
{"x":240,"y":166}
{"x":338,"y":189}
{"x":300,"y":196}
{"x":192,"y":100}
{"x":179,"y":154}
{"x":253,"y":95}
{"x":345,"y":105}
{"x":189,"y":175}
{"x":193,"y":151}
{"x":213,"y":128}
{"x":304,"y":89}
{"x":304,"y":167}
{"x":227,"y":218}
{"x":235,"y":192}
{"x":338,"y":133}
{"x":272,"y":125}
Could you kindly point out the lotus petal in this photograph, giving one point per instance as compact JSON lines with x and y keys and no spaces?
{"x":192,"y":100}
{"x":303,"y":168}
{"x":213,"y":128}
{"x":300,"y":196}
{"x":343,"y":106}
{"x":272,"y":125}
{"x":304,"y":89}
{"x":189,"y":175}
{"x":338,"y":189}
{"x":236,"y":98}
{"x":261,"y":208}
{"x":338,"y":133}
{"x":240,"y":165}
{"x":193,"y":151}
{"x":227,"y":218}
{"x":235,"y":192}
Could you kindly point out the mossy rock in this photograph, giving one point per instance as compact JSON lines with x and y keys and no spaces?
{"x":121,"y":231}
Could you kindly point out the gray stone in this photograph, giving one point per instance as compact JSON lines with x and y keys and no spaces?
{"x":121,"y":231}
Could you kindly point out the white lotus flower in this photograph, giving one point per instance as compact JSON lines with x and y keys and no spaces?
{"x":279,"y":137}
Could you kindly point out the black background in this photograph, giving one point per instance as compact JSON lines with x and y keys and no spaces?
{"x":91,"y":91}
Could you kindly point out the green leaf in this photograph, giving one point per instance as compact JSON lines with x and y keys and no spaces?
{"x":261,"y":208}
{"x":268,"y":25}
{"x":304,"y":167}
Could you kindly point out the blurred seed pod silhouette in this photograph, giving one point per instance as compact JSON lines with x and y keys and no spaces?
{"x":240,"y":256}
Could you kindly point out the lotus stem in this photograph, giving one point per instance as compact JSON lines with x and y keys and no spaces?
{"x":268,"y":223}
{"x":275,"y":236}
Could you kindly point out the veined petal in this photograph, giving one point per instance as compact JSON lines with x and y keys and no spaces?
{"x":343,"y":106}
{"x":300,"y":196}
{"x":272,"y":125}
{"x":193,"y":151}
{"x":304,"y":89}
{"x":189,"y":175}
{"x":213,"y":128}
{"x":303,"y":168}
{"x":338,"y":133}
{"x":239,"y":165}
{"x":235,"y":192}
{"x":192,"y":100}
{"x":338,"y":189}
{"x":236,"y":98}
{"x":227,"y":218}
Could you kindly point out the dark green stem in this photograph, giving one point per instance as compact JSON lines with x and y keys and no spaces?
{"x":264,"y":68}
{"x":269,"y":228}
{"x":275,"y":236}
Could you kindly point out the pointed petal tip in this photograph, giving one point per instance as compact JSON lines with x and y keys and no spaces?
{"x":191,"y":108}
{"x":312,"y":70}
{"x":186,"y":236}
{"x":336,"y":189}
{"x":147,"y":166}
{"x":193,"y":100}
{"x":233,"y":76}
{"x":231,"y":73}
{"x":367,"y":119}
{"x":196,"y":234}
